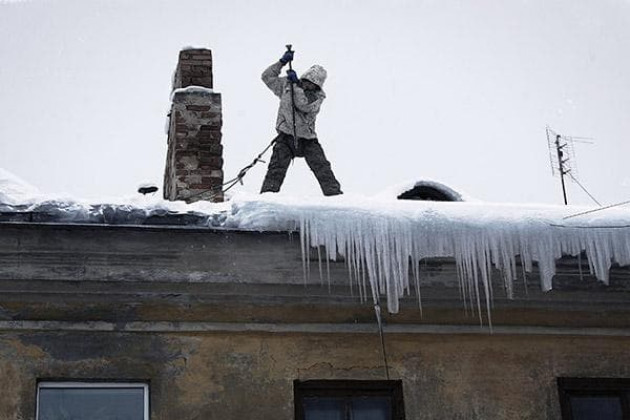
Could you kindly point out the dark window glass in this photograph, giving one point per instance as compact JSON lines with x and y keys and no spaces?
{"x":349,"y":400}
{"x":324,"y":409}
{"x":596,"y":408}
{"x":594,"y":398}
{"x":371,"y":408}
{"x":91,"y":403}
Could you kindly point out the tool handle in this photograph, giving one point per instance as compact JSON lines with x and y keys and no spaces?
{"x":289,"y":46}
{"x":295,"y":139}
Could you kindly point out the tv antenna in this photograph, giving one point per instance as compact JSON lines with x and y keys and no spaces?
{"x":563,"y":161}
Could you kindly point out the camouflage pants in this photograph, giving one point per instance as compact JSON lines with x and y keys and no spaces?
{"x":284,"y":150}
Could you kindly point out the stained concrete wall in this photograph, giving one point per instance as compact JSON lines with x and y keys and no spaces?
{"x":220,"y":324}
{"x":246,"y":376}
{"x":134,"y":274}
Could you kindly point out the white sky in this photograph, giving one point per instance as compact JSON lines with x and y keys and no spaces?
{"x":456,"y":91}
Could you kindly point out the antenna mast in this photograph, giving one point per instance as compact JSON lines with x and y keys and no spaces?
{"x":561,"y":162}
{"x":562,"y":157}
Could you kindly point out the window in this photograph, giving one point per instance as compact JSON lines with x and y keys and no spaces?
{"x":92,"y":401}
{"x":348,"y":400}
{"x":594,"y":398}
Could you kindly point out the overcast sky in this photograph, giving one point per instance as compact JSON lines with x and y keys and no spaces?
{"x":455,"y":91}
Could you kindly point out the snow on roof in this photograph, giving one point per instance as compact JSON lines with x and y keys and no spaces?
{"x":197,"y":90}
{"x":193,"y":47}
{"x":14,"y":190}
{"x":386,"y":238}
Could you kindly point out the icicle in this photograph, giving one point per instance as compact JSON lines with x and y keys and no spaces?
{"x":379,"y":249}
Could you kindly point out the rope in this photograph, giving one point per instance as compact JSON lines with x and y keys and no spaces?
{"x":237,"y":179}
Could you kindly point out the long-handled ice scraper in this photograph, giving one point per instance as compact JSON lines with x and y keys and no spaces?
{"x":295,"y":139}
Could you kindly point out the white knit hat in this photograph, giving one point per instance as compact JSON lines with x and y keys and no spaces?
{"x":316,"y":74}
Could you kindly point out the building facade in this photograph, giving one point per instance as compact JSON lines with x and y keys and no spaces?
{"x":210,"y":324}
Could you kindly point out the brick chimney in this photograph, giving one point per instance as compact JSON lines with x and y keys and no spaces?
{"x":194,"y":162}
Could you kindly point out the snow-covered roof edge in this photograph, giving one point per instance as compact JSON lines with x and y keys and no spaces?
{"x":385,"y":238}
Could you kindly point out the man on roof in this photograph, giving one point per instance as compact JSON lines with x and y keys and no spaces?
{"x":308,"y":96}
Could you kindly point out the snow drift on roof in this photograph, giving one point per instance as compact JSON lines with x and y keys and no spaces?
{"x":14,"y":190}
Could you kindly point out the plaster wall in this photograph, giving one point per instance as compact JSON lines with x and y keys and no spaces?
{"x":250,"y":376}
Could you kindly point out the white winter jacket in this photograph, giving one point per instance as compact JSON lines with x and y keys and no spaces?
{"x":307,"y":103}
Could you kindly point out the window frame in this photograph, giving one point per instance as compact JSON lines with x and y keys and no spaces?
{"x":348,"y":389}
{"x":65,"y":384}
{"x":593,"y":387}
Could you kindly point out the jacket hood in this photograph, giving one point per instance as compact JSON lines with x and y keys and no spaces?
{"x":316,"y":74}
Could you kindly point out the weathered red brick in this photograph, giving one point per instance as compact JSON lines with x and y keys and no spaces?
{"x":211,"y":126}
{"x":200,"y":66}
{"x":192,"y":61}
{"x":198,"y":107}
{"x":212,"y":180}
{"x":198,"y":70}
{"x":215,"y":149}
{"x":215,"y":161}
{"x":212,"y":150}
{"x":201,"y":81}
{"x":182,"y":153}
{"x":207,"y":139}
{"x":199,"y":51}
{"x":214,"y":116}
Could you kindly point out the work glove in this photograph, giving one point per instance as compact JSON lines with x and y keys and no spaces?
{"x":292,"y":76}
{"x":288,"y":56}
